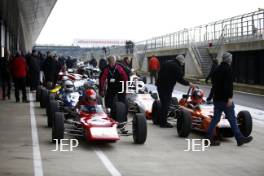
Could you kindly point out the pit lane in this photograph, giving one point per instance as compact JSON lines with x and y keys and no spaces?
{"x":162,"y":154}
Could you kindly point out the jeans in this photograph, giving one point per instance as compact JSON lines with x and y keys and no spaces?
{"x":220,"y":107}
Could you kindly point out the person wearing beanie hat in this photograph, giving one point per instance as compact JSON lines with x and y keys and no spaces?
{"x":181,"y":60}
{"x":227,"y":58}
{"x":223,"y":101}
{"x":170,"y":73}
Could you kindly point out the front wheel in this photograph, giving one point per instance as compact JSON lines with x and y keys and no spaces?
{"x":58,"y":127}
{"x":245,"y":122}
{"x":53,"y":108}
{"x":139,"y":128}
{"x":156,"y":112}
{"x":184,"y":123}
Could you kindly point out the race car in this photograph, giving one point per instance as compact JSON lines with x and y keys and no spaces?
{"x":97,"y":125}
{"x":140,"y":96}
{"x":192,"y":113}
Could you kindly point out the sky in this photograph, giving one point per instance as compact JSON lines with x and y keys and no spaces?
{"x":135,"y":20}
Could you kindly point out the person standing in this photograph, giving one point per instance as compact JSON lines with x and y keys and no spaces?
{"x":102,"y":64}
{"x":19,"y":71}
{"x":223,"y":101}
{"x":209,"y":76}
{"x":154,"y":66}
{"x":111,"y":77}
{"x":5,"y":74}
{"x":51,"y":69}
{"x":34,"y":70}
{"x":170,"y":73}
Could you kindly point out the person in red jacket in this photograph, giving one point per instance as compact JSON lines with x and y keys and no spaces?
{"x":111,"y":79}
{"x":154,"y":67}
{"x":19,"y":72}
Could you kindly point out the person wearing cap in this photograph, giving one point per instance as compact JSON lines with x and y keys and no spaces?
{"x":223,"y":100}
{"x":170,"y":73}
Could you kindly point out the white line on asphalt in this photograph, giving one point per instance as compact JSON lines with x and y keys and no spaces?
{"x":37,"y":162}
{"x":110,"y":167}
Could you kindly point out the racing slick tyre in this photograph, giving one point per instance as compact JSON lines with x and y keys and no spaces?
{"x":245,"y":122}
{"x":49,"y":99}
{"x":58,"y":127}
{"x":174,"y":101}
{"x":38,"y":93}
{"x":139,"y":126}
{"x":119,"y":112}
{"x":43,"y":97}
{"x":184,"y":123}
{"x":156,"y":112}
{"x":53,"y":108}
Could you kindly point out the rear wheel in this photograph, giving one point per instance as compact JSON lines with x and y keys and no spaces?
{"x":184,"y":123}
{"x":245,"y":122}
{"x":43,"y":98}
{"x":119,"y":112}
{"x":58,"y":127}
{"x":139,"y":128}
{"x":156,"y":112}
{"x":50,"y":98}
{"x":53,"y":108}
{"x":38,"y":93}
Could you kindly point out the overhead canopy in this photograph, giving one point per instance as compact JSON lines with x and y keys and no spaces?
{"x":24,"y":19}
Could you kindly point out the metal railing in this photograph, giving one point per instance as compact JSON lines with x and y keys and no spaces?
{"x":245,"y":27}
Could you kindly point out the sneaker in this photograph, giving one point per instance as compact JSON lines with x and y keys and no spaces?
{"x":213,"y":142}
{"x":244,"y":140}
{"x":166,"y":125}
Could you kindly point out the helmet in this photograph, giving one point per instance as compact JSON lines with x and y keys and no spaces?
{"x":69,"y":86}
{"x":90,"y":95}
{"x":197,"y":96}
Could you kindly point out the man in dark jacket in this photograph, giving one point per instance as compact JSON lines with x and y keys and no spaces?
{"x":34,"y":70}
{"x":170,"y":73}
{"x":209,"y":76}
{"x":51,"y":68}
{"x":93,"y":62}
{"x":223,"y":102}
{"x":102,"y":64}
{"x":5,"y":74}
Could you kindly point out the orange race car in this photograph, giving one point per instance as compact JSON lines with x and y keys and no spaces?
{"x":192,"y":113}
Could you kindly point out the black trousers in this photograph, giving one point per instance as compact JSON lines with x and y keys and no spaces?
{"x":210,"y":96}
{"x":20,"y":84}
{"x":34,"y":80}
{"x":153,"y":75}
{"x":112,"y":96}
{"x":6,"y":86}
{"x":165,"y":100}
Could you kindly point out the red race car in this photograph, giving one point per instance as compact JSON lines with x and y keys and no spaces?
{"x":95,"y":124}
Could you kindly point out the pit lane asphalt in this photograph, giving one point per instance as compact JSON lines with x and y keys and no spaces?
{"x":162,"y":154}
